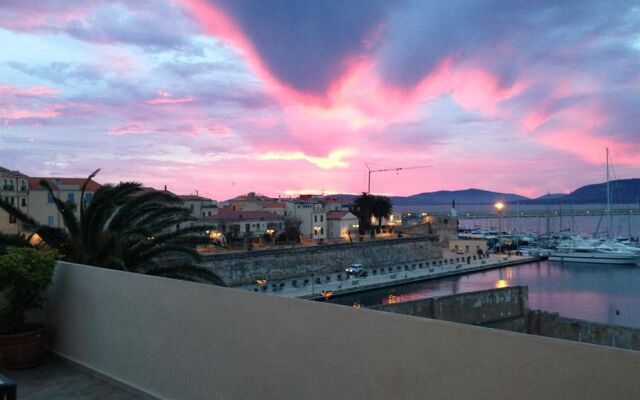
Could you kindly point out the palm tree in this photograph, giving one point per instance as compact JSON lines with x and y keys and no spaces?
{"x":363,"y":208}
{"x":125,"y":227}
{"x":381,"y":208}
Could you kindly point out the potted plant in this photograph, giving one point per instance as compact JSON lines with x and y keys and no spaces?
{"x":25,"y":274}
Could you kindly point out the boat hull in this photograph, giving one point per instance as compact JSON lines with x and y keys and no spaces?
{"x":594,"y":259}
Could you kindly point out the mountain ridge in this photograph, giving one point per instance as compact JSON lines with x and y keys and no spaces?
{"x":623,"y":191}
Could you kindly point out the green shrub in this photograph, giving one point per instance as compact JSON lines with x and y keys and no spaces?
{"x":25,"y":274}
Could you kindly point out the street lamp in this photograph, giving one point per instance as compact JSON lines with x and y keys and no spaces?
{"x":499,"y":206}
{"x":261,"y":282}
{"x":271,"y":233}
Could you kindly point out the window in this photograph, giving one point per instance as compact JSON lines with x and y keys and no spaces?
{"x":321,"y":218}
{"x":49,"y":198}
{"x":315,"y":218}
{"x":24,"y":202}
{"x":88,"y":197}
{"x":50,"y":220}
{"x":11,"y":200}
{"x":12,"y":219}
{"x":321,"y":230}
{"x":71,"y":197}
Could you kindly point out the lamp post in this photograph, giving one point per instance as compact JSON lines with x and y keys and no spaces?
{"x":499,"y":206}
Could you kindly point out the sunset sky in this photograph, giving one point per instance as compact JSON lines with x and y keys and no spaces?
{"x":284,"y":96}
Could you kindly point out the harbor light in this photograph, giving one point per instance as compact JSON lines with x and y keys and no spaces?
{"x":499,"y":206}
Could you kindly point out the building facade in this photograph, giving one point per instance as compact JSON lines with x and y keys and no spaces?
{"x":14,"y":189}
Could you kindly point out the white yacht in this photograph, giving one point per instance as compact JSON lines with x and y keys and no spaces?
{"x":583,"y":252}
{"x":607,"y":252}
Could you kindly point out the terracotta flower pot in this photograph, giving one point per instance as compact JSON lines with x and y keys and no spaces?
{"x":23,"y":350}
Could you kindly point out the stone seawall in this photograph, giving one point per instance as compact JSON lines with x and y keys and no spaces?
{"x":507,"y":309}
{"x":245,"y":267}
{"x":545,"y":323}
{"x":475,"y":308}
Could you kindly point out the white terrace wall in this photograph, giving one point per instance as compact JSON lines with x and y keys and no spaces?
{"x":181,"y":340}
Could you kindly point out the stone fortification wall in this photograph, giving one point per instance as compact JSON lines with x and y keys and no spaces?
{"x":545,"y":323}
{"x":246,"y":267}
{"x":507,"y":309}
{"x":476,"y":308}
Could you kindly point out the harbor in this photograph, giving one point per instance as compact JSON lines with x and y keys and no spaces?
{"x":594,"y":292}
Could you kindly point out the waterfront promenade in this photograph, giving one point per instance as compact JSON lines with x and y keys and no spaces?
{"x":312,"y":286}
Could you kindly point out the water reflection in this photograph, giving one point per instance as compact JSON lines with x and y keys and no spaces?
{"x":592,"y":292}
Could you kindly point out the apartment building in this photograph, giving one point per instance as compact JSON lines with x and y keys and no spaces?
{"x":42,"y":208}
{"x":200,"y":207}
{"x":14,"y":189}
{"x":243,"y":222}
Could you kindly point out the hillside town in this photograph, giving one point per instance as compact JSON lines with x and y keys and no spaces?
{"x":239,"y":222}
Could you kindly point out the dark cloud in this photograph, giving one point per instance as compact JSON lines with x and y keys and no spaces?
{"x":506,"y":37}
{"x":306,"y":43}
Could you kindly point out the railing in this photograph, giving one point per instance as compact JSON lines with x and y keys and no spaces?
{"x":8,"y":188}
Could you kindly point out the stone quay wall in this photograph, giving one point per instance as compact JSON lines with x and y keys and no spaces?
{"x":508,"y":309}
{"x":549,"y":324}
{"x":245,"y":267}
{"x":476,"y":308}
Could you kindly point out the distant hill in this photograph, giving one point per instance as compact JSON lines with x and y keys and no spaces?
{"x":468,"y":196}
{"x":622,"y":191}
{"x":550,"y":196}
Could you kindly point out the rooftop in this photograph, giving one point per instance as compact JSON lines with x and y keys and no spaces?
{"x":8,"y":172}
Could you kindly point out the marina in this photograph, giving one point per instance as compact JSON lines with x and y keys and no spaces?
{"x":595,"y":292}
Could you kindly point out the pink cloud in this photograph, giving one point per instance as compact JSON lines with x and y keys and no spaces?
{"x":134,"y":129}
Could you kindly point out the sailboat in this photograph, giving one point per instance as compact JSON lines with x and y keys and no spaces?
{"x":582,"y":251}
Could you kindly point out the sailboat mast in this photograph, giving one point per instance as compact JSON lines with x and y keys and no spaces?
{"x":608,"y":198}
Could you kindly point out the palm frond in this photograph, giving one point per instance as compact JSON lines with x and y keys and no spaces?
{"x":17,"y":214}
{"x":65,"y":209}
{"x":84,"y":189}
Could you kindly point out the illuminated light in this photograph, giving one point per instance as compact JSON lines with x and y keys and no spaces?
{"x":35,"y":239}
{"x":392,"y":299}
{"x":357,"y":304}
{"x":502,"y":284}
{"x":499,"y":206}
{"x":261,"y":282}
{"x":326,"y":294}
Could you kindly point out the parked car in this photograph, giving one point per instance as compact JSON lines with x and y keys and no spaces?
{"x":354,"y":269}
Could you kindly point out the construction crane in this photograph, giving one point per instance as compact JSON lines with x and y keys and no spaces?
{"x":373,"y":171}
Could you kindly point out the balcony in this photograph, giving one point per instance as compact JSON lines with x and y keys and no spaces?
{"x":170,"y":339}
{"x":8,"y":188}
